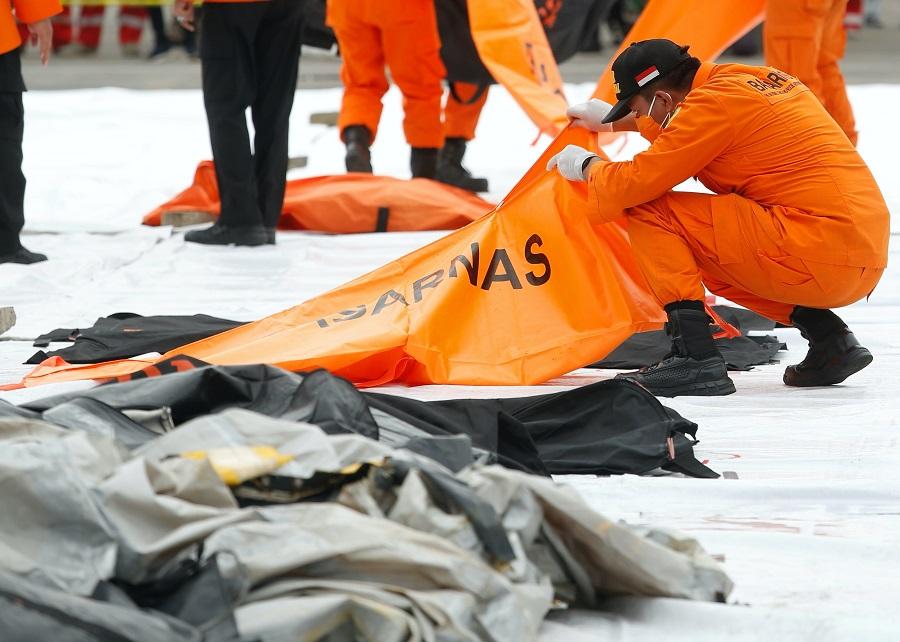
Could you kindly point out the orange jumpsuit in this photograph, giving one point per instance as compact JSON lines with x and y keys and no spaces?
{"x":796,"y":217}
{"x":463,"y":109}
{"x":403,"y":36}
{"x":27,"y":11}
{"x":806,"y":38}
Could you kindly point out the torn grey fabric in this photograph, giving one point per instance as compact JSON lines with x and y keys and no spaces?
{"x":396,"y":546}
{"x":53,"y":531}
{"x":33,"y":613}
{"x":376,"y":551}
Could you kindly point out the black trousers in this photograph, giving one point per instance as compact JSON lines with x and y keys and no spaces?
{"x":250,"y":54}
{"x":12,"y":126}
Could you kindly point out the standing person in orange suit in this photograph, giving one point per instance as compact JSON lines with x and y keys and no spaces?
{"x":403,"y":36}
{"x":90,"y":25}
{"x":796,"y":223}
{"x":806,"y":38}
{"x":36,"y":15}
{"x":249,"y":56}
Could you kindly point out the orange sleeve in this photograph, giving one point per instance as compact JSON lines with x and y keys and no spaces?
{"x":698,"y":132}
{"x":29,"y":11}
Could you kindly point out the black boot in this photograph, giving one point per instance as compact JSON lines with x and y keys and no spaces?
{"x":695,"y":366}
{"x":23,"y":257}
{"x":357,"y":138}
{"x":251,"y":235}
{"x":451,"y":171}
{"x":834,"y":353}
{"x":423,"y":162}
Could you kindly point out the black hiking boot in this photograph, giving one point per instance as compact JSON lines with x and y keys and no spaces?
{"x":251,"y":235}
{"x":694,"y":367}
{"x":451,"y":171}
{"x":358,"y":138}
{"x":423,"y":162}
{"x":834,"y":353}
{"x":23,"y":257}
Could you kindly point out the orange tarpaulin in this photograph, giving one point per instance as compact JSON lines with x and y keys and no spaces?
{"x":526,"y":293}
{"x":346,"y":203}
{"x":708,"y":27}
{"x":513,"y":46}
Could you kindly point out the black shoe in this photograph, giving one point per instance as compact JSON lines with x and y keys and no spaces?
{"x":423,"y":162}
{"x":270,"y":236}
{"x":829,"y":361}
{"x":694,"y":366}
{"x":451,"y":171}
{"x":23,"y":257}
{"x":678,"y":375}
{"x":216,"y":234}
{"x":357,"y":138}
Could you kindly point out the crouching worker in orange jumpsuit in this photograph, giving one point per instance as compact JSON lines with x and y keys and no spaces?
{"x":403,"y":36}
{"x":796,"y":224}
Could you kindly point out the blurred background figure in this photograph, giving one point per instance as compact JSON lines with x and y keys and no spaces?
{"x":807,"y":40}
{"x":174,"y":40}
{"x":81,"y":36}
{"x":249,"y":56}
{"x":402,"y":36}
{"x":872,"y":14}
{"x":36,"y":15}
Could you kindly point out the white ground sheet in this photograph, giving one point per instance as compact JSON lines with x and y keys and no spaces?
{"x":810,"y":528}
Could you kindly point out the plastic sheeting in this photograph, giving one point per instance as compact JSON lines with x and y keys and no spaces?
{"x":515,"y":273}
{"x":382,"y":556}
{"x":345,"y":203}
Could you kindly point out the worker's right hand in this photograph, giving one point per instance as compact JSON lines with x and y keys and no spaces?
{"x":590,"y":115}
{"x":184,"y":13}
{"x":42,"y":35}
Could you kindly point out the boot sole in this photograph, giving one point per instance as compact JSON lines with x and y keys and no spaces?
{"x":856,"y":361}
{"x":707,"y":389}
{"x":703,"y":389}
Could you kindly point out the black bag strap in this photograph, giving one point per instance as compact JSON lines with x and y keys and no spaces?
{"x":381,"y":223}
{"x":482,"y":87}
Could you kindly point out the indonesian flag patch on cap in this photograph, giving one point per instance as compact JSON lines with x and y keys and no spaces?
{"x":646,"y":76}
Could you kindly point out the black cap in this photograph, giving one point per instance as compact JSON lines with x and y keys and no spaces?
{"x":639,"y":64}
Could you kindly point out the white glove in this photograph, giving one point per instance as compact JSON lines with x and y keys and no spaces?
{"x":570,"y":161}
{"x":590,"y":114}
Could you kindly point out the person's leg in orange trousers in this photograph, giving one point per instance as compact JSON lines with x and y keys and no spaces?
{"x":805,"y":38}
{"x":834,"y":89}
{"x":364,"y":79}
{"x":462,"y":110}
{"x":412,"y":49}
{"x":684,"y":240}
{"x":682,"y":237}
{"x":362,"y":67}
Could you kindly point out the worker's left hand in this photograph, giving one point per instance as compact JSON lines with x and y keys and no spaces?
{"x":571,"y":162}
{"x":42,"y":35}
{"x":590,"y":115}
{"x":184,"y":13}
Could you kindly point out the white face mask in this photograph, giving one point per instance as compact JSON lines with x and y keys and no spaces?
{"x":668,"y":117}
